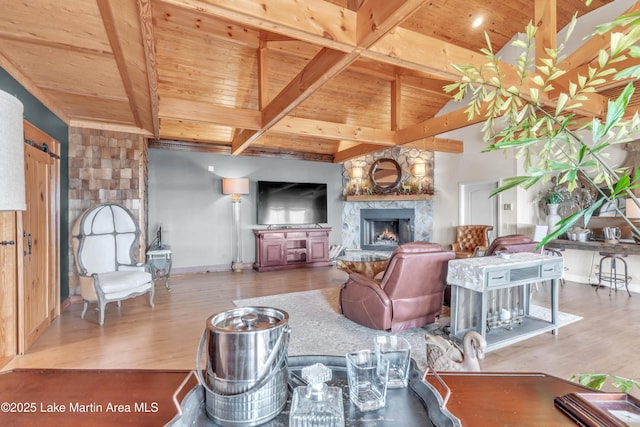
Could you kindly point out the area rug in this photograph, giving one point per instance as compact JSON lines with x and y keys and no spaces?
{"x":318,"y":328}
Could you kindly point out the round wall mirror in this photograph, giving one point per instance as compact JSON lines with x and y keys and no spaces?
{"x":385,"y":174}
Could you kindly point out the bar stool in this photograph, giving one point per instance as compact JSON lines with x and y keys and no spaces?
{"x":613,"y":277}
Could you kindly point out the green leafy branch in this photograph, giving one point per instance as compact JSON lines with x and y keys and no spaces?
{"x":597,"y":381}
{"x":543,"y":129}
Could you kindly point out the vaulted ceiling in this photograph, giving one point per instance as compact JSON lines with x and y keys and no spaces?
{"x":313,"y":79}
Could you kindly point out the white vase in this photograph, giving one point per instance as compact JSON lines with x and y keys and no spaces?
{"x":553,"y":217}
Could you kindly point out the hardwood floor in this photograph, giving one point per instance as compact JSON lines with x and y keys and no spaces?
{"x":166,"y":337}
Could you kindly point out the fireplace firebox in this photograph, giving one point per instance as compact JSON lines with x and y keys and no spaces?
{"x":385,"y":229}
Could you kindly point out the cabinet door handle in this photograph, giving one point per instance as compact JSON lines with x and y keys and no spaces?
{"x":7,"y":242}
{"x":29,"y":242}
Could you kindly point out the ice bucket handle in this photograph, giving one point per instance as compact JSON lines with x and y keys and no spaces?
{"x":263,"y":378}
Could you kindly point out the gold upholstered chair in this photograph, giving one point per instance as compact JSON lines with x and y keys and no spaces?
{"x":470,"y":240}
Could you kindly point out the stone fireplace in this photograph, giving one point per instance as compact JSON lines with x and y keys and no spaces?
{"x":418,"y":228}
{"x":386,"y":229}
{"x":421,"y":225}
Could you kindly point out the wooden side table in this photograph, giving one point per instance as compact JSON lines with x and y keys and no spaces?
{"x":160,"y":264}
{"x":366,"y":263}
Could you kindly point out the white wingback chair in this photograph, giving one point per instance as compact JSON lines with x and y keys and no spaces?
{"x":103,"y":242}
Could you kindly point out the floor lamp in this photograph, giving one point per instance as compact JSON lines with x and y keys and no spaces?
{"x":236,"y":187}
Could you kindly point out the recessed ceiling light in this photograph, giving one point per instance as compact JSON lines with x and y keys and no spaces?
{"x":477,"y":22}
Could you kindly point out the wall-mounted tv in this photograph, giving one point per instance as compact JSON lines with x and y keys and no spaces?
{"x":291,"y":203}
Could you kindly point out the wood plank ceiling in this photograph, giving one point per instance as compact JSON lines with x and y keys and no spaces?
{"x":313,"y":79}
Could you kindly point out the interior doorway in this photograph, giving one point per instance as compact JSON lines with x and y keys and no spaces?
{"x":478,"y":207}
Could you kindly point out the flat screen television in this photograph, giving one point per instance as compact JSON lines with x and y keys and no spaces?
{"x":291,"y":203}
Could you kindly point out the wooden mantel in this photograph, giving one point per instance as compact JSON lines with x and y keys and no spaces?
{"x":388,"y":197}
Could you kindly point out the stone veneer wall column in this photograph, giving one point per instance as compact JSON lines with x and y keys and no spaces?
{"x":106,"y":166}
{"x":406,"y":158}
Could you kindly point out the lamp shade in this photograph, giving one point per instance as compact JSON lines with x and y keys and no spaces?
{"x":235,"y":186}
{"x":356,"y":172}
{"x":631,"y":209}
{"x":12,"y":189}
{"x":419,"y":169}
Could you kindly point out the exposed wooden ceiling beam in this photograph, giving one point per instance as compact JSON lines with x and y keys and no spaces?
{"x":336,"y":28}
{"x":432,"y":86}
{"x":122,"y":25}
{"x":562,"y":82}
{"x":588,"y":51}
{"x":547,"y":27}
{"x":443,"y":145}
{"x":434,"y":144}
{"x":411,"y":50}
{"x":587,"y":55}
{"x":148,"y":43}
{"x":116,"y":127}
{"x":322,"y":68}
{"x":328,"y":25}
{"x":375,"y":18}
{"x":335,"y":131}
{"x":263,"y":80}
{"x":446,"y":122}
{"x":354,"y":4}
{"x":210,"y":113}
{"x":357,"y":151}
{"x":396,"y":103}
{"x":168,"y":144}
{"x":33,"y":89}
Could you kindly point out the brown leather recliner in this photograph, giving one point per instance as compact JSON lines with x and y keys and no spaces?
{"x":409,"y":295}
{"x":512,"y":243}
{"x":470,"y":239}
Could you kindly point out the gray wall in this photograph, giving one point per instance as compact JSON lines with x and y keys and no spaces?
{"x":196,"y":217}
{"x":44,"y":119}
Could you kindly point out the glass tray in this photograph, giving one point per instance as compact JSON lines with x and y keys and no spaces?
{"x":419,"y":404}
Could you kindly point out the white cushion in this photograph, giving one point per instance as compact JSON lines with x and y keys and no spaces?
{"x":119,"y":281}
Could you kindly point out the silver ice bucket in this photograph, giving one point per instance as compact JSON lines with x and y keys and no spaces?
{"x":246,"y":365}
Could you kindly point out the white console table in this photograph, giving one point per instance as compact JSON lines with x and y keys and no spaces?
{"x":491,"y":296}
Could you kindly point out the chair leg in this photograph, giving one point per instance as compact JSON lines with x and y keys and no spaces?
{"x":152,"y":292}
{"x":102,"y":305}
{"x":84,"y":309}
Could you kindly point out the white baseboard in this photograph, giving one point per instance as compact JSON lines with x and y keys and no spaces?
{"x":208,"y":268}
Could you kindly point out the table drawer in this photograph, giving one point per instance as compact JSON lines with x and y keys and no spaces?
{"x":550,"y":269}
{"x":497,"y":277}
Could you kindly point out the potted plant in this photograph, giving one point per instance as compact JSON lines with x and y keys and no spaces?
{"x":554,"y":197}
{"x":552,"y":200}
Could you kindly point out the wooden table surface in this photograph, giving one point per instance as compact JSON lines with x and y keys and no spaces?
{"x":54,"y":397}
{"x":506,"y":399}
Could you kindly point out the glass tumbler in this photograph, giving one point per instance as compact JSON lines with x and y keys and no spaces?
{"x":367,"y":378}
{"x":397,"y":351}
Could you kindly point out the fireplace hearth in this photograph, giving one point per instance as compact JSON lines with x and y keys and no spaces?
{"x":386,"y":229}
